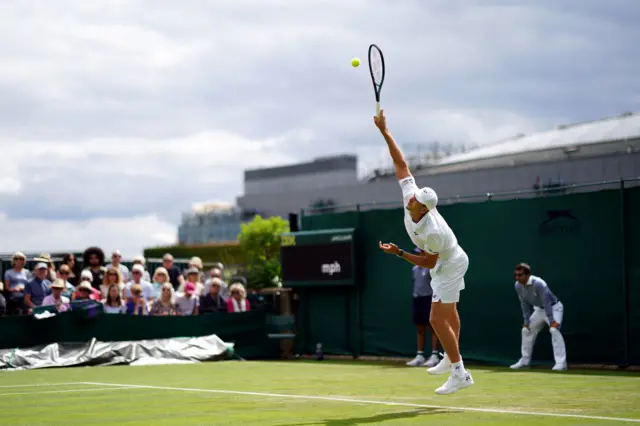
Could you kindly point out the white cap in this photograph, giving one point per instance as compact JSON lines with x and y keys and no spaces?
{"x":41,"y":265}
{"x":86,"y":274}
{"x":428,"y":197}
{"x":138,"y":268}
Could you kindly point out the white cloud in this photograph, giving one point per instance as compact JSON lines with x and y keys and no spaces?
{"x":124,"y":174}
{"x":113,"y":110}
{"x":128,"y":235}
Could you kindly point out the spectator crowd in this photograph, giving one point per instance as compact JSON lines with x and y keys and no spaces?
{"x":119,"y":290}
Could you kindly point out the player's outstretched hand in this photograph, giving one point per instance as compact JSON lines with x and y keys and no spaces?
{"x":380,"y":121}
{"x":389,"y":248}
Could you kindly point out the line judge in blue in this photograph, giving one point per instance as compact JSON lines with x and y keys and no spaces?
{"x":539,"y":306}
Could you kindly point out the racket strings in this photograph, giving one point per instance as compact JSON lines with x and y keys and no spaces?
{"x":376,"y":66}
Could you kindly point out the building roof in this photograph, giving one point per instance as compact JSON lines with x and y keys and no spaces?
{"x":319,"y":165}
{"x":622,"y":127}
{"x":211,"y":206}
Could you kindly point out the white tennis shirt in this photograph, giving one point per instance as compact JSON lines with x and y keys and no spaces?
{"x":431,"y":233}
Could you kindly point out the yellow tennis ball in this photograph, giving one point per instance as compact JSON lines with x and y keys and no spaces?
{"x":355,"y":62}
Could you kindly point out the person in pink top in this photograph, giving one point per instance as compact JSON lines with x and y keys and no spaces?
{"x":238,"y":301}
{"x":56,"y":298}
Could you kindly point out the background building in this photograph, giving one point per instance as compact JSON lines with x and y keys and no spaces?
{"x":268,"y":188}
{"x":602,"y":150}
{"x":212,"y":222}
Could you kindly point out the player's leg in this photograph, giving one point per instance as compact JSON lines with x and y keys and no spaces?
{"x":529,"y":335}
{"x":444,"y":366}
{"x":434,"y":358}
{"x":442,"y":320}
{"x":446,"y":285}
{"x":455,"y":324}
{"x":557,"y":341}
{"x":443,"y":314}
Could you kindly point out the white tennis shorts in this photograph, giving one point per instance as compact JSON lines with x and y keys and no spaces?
{"x":447,"y":277}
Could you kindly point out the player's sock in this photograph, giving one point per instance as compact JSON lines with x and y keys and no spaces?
{"x":420,"y":353}
{"x":435,"y":352}
{"x":457,"y":368}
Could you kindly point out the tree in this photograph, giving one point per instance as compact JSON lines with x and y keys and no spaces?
{"x":261,"y":239}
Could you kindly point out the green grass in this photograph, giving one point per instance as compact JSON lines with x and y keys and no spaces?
{"x":29,"y":399}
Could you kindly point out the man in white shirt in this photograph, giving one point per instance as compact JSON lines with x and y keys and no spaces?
{"x":116,"y":257}
{"x":148,"y":291}
{"x":442,"y":255}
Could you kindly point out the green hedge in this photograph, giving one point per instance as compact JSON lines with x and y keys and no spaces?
{"x":231,"y":254}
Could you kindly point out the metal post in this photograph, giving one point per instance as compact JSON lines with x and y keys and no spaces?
{"x":359,"y":284}
{"x":626,"y":307}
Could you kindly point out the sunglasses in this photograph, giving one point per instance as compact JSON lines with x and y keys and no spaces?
{"x":64,"y":273}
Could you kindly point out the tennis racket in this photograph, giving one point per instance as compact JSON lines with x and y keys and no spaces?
{"x":376,"y":69}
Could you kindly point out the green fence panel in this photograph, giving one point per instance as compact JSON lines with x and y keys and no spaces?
{"x":329,"y":315}
{"x":387,"y":327}
{"x":632,"y":231}
{"x":329,"y":305}
{"x":247,"y":330}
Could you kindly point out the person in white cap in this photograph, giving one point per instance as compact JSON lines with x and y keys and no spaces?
{"x":443,"y":255}
{"x":140,"y":260}
{"x":56,"y":298}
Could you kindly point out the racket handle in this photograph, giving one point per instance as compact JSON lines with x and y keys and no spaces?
{"x":378,"y":109}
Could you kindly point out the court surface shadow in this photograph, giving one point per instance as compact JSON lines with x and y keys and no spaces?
{"x":376,"y":419}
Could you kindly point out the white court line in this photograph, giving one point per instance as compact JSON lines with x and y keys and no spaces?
{"x":37,"y":385}
{"x":66,"y":391}
{"x":387,"y":403}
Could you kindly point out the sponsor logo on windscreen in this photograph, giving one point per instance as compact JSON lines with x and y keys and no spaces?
{"x":341,"y":238}
{"x":331,"y":268}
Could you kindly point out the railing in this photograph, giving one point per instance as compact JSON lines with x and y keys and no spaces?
{"x":488,"y":196}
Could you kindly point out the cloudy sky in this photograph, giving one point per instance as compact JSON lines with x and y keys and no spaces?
{"x":116,"y":115}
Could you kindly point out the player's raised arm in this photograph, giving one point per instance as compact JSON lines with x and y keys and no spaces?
{"x":399,"y":163}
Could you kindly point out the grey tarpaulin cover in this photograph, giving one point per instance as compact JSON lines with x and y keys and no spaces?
{"x":93,"y":353}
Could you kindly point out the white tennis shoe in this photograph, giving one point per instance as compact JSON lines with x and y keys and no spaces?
{"x":455,"y":383}
{"x":444,"y":366}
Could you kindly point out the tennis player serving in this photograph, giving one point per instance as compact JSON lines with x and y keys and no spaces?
{"x":442,"y":254}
